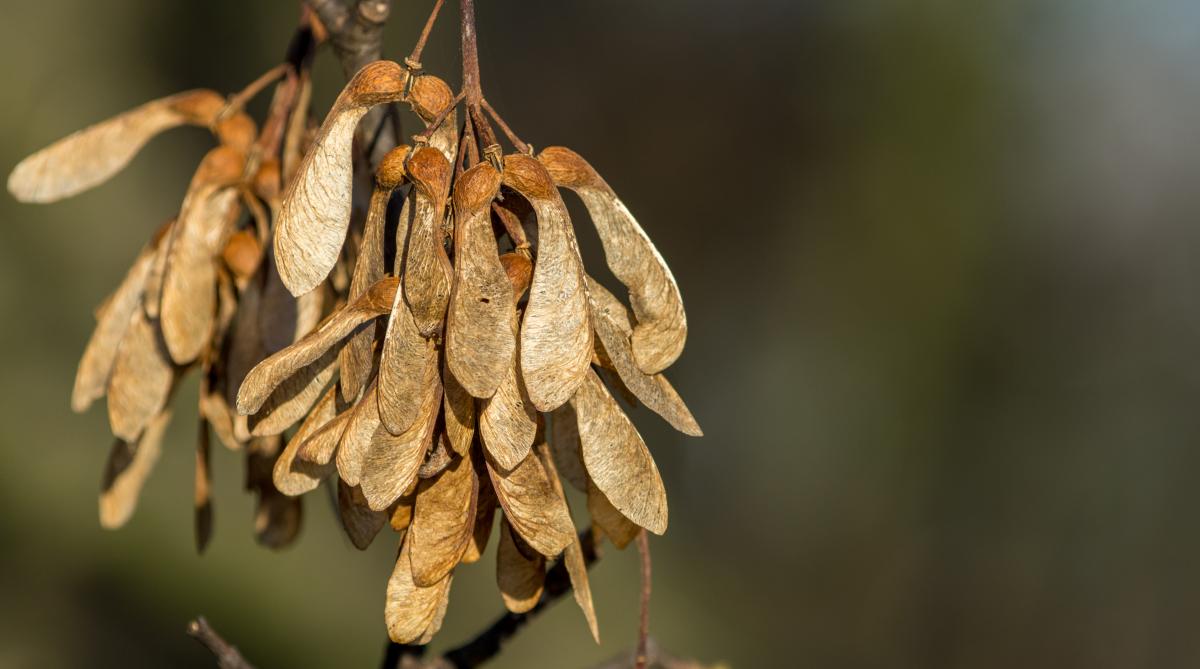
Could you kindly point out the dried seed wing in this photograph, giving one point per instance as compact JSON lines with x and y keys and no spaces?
{"x":360,"y":522}
{"x":661,"y":329}
{"x":315,"y":213}
{"x":402,"y":511}
{"x":355,"y":361}
{"x":611,"y":320}
{"x":270,"y":373}
{"x":437,"y":458}
{"x":91,"y":156}
{"x":404,"y":368}
{"x":356,"y":437}
{"x":538,"y":514}
{"x":485,"y":514}
{"x":141,"y":380}
{"x":321,"y":445}
{"x":480,"y":341}
{"x":573,"y":556}
{"x":213,"y":406}
{"x":277,"y":517}
{"x":427,"y":270}
{"x":293,"y":476}
{"x":202,"y":493}
{"x":439,"y":615}
{"x":619,"y":529}
{"x":293,"y":398}
{"x":98,"y":358}
{"x":520,"y":579}
{"x":458,"y":412}
{"x":443,"y":521}
{"x":411,"y":608}
{"x":508,"y":422}
{"x":617,"y":459}
{"x":392,"y":461}
{"x":188,"y":300}
{"x":564,"y":447}
{"x":556,"y":337}
{"x":129,"y":464}
{"x":445,"y":138}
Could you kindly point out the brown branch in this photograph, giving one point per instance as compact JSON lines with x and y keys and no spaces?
{"x":227,"y":655}
{"x":415,"y":56}
{"x":472,"y":88}
{"x":643,"y":545}
{"x":355,"y":30}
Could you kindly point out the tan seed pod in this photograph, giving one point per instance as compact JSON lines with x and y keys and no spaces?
{"x":661,"y":329}
{"x":564,"y":447}
{"x":573,"y":558}
{"x":141,"y":379}
{"x":616,"y":457}
{"x":392,"y":461}
{"x":322,"y":444}
{"x":519,"y":269}
{"x":91,"y":156}
{"x":410,"y":608}
{"x":612,"y":322}
{"x":355,"y":360}
{"x":443,"y":521}
{"x":360,"y":522}
{"x":268,"y":374}
{"x":202,"y":493}
{"x":458,"y":412}
{"x":294,"y":397}
{"x":407,"y":361}
{"x":293,"y":476}
{"x":188,"y":303}
{"x":485,"y":512}
{"x":129,"y":464}
{"x":315,"y":213}
{"x":539,"y":515}
{"x":480,"y":342}
{"x":356,"y":438}
{"x":619,"y":529}
{"x":242,"y":254}
{"x":556,"y":336}
{"x":96,"y":365}
{"x":427,"y":270}
{"x":519,"y":578}
{"x":507,"y":419}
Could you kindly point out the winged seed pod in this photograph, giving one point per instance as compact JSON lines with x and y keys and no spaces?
{"x":436,"y":349}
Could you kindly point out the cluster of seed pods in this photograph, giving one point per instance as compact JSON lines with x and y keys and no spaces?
{"x":435,"y":349}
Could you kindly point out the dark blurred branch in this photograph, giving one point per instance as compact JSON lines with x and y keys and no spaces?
{"x":643,"y":545}
{"x":355,"y":29}
{"x":227,"y":655}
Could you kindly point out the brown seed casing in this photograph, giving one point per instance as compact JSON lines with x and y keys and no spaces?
{"x":427,"y":271}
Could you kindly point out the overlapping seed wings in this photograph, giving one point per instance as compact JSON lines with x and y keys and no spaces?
{"x":537,"y":512}
{"x":661,"y":329}
{"x":129,"y":464}
{"x":556,"y":335}
{"x":427,"y":271}
{"x":443,"y":521}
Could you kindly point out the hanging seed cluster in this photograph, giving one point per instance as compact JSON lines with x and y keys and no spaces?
{"x":438,"y":352}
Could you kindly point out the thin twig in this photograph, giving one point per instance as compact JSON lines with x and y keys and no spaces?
{"x":239,"y":100}
{"x":643,"y":544}
{"x":355,"y":30}
{"x":508,"y":132}
{"x":425,"y":134}
{"x":471,"y":80}
{"x":227,"y":655}
{"x":415,"y":57}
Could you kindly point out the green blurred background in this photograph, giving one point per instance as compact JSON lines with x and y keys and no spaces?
{"x":939,"y":263}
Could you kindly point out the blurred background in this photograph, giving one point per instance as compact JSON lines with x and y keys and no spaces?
{"x":940,"y":265}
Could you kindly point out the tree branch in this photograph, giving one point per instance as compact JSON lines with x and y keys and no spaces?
{"x":355,"y":30}
{"x":227,"y":655}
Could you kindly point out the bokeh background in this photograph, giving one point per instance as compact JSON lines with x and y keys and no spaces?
{"x":940,"y":262}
